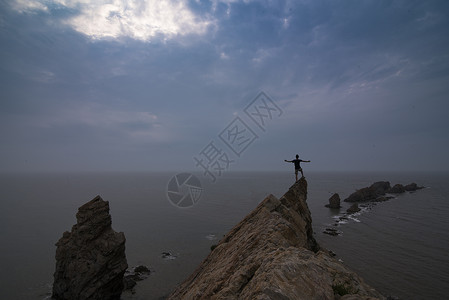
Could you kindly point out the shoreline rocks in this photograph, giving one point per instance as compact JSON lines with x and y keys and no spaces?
{"x":132,"y":276}
{"x":369,"y":193}
{"x":272,"y":254}
{"x":412,"y":187}
{"x":353,"y":209}
{"x":90,"y":260}
{"x":377,"y":190}
{"x":397,"y":189}
{"x":368,"y":197}
{"x":331,"y":231}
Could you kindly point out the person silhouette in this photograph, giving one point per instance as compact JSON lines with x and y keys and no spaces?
{"x":297,"y":163}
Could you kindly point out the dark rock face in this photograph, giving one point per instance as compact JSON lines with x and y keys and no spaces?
{"x":90,"y":260}
{"x":353,"y":209}
{"x":377,"y":190}
{"x":138,"y":273}
{"x":331,"y":231}
{"x":369,"y":193}
{"x":412,"y":187}
{"x":334,"y":201}
{"x":364,"y":194}
{"x":397,"y":189}
{"x":380,"y":187}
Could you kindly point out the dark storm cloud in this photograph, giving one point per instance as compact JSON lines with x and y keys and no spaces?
{"x":367,"y":79}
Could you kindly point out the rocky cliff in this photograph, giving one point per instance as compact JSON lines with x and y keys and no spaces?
{"x":272,"y":254}
{"x":90,"y":260}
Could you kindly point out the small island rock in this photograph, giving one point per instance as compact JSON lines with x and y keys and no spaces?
{"x":90,"y":260}
{"x":353,"y":209}
{"x":132,"y":276}
{"x":369,"y":193}
{"x":334,"y":201}
{"x":376,"y":192}
{"x":412,"y":187}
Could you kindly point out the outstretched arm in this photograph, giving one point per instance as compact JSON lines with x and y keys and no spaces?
{"x":305,"y":160}
{"x":287,"y":160}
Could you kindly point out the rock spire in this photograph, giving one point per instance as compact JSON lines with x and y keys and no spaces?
{"x":90,"y":260}
{"x":272,"y":254}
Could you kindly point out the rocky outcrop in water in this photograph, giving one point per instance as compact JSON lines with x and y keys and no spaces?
{"x":272,"y":254}
{"x":397,"y":189}
{"x":372,"y":192}
{"x":377,"y":190}
{"x":90,"y":260}
{"x":353,"y":209}
{"x":334,"y":201}
{"x":412,"y":187}
{"x":133,"y":275}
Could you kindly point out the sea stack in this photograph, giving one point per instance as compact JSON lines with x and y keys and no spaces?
{"x":334,"y":201}
{"x":272,"y":254}
{"x":90,"y":260}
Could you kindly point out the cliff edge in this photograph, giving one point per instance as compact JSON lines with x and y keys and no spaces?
{"x":272,"y":254}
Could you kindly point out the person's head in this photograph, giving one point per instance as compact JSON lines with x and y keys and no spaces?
{"x":297,"y":156}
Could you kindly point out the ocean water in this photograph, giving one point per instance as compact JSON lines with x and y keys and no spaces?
{"x":399,"y":247}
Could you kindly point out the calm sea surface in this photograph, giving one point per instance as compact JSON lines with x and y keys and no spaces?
{"x":400,"y":247}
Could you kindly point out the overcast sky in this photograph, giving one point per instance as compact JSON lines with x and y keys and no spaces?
{"x":151,"y":85}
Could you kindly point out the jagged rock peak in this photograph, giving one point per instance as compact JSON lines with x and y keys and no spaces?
{"x":93,"y":219}
{"x":90,"y":260}
{"x":272,"y":254}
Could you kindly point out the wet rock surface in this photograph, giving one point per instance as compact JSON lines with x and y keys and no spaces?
{"x":133,"y":275}
{"x":332,"y":231}
{"x":353,"y":209}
